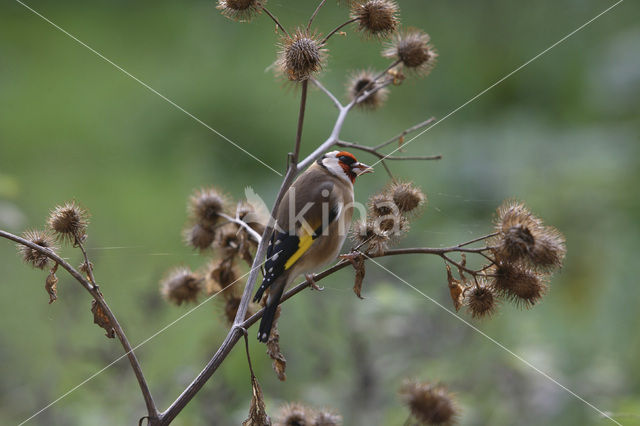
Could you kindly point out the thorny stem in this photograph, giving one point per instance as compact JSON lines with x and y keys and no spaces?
{"x":315,"y":12}
{"x":336,"y":29}
{"x":152,"y":411}
{"x":275,"y":20}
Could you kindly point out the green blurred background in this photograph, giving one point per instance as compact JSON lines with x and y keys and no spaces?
{"x":561,"y":134}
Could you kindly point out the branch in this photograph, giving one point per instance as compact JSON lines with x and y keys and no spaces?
{"x":336,"y":29}
{"x":243,"y":224}
{"x":315,"y":12}
{"x":406,"y":132}
{"x":303,"y":103}
{"x":278,"y":24}
{"x":374,"y":151}
{"x":331,"y":96}
{"x":99,"y":298}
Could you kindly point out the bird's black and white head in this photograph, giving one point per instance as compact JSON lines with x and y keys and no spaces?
{"x":343,"y":165}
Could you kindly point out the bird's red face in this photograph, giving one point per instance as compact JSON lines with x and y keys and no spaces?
{"x":344,"y":164}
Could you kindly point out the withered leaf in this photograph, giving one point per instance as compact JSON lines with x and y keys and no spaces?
{"x":257,"y":412}
{"x":86,"y":268}
{"x":101,"y":318}
{"x":358,"y":265}
{"x":455,"y":289}
{"x":51,"y":284}
{"x":273,"y":350}
{"x":463,"y":264}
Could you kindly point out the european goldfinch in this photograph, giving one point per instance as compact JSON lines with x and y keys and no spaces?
{"x":312,"y":222}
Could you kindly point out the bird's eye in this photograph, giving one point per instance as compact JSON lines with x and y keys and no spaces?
{"x":346,"y":160}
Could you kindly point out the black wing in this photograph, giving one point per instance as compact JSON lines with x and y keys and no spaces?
{"x":282,"y":247}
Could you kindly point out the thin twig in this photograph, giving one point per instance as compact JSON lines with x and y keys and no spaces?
{"x":153,"y":413}
{"x":380,"y":155}
{"x":303,"y":103}
{"x":331,"y":96}
{"x":87,"y":263}
{"x":315,"y":12}
{"x":246,"y":345}
{"x":275,"y":20}
{"x":406,"y":132}
{"x":458,"y":265}
{"x":475,"y":240}
{"x":336,"y":29}
{"x":243,"y":224}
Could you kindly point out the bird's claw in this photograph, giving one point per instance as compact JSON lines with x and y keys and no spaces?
{"x":312,"y":282}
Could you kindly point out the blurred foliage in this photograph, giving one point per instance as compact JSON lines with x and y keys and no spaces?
{"x":561,"y":134}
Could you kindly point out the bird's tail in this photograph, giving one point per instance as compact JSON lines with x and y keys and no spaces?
{"x":269,"y":314}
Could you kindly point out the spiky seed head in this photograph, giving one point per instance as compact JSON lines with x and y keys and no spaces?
{"x":365,"y":80}
{"x":221,"y":275}
{"x":368,"y":235}
{"x":301,"y":55}
{"x":34,"y":257}
{"x":522,"y":236}
{"x":429,"y":404}
{"x":205,"y":206}
{"x":519,"y":284}
{"x":231,"y":308}
{"x":295,"y":414}
{"x":327,"y":418}
{"x":414,"y":51}
{"x":69,"y":222}
{"x":181,"y":285}
{"x":376,"y":17}
{"x":381,"y":204}
{"x":228,"y":240}
{"x":406,"y":196}
{"x":549,"y":250}
{"x":199,"y":237}
{"x":480,"y":300}
{"x":247,"y":213}
{"x":240,"y":10}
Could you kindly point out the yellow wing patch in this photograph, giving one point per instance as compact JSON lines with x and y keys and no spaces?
{"x":305,"y":242}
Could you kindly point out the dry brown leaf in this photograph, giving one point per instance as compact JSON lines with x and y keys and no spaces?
{"x":273,"y":350}
{"x":101,"y":318}
{"x":358,"y":265}
{"x":257,"y":412}
{"x":51,"y":284}
{"x":455,"y":289}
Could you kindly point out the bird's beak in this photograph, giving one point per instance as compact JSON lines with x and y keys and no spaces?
{"x":361,"y":168}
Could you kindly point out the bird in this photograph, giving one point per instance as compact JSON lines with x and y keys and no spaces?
{"x":312,"y":222}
